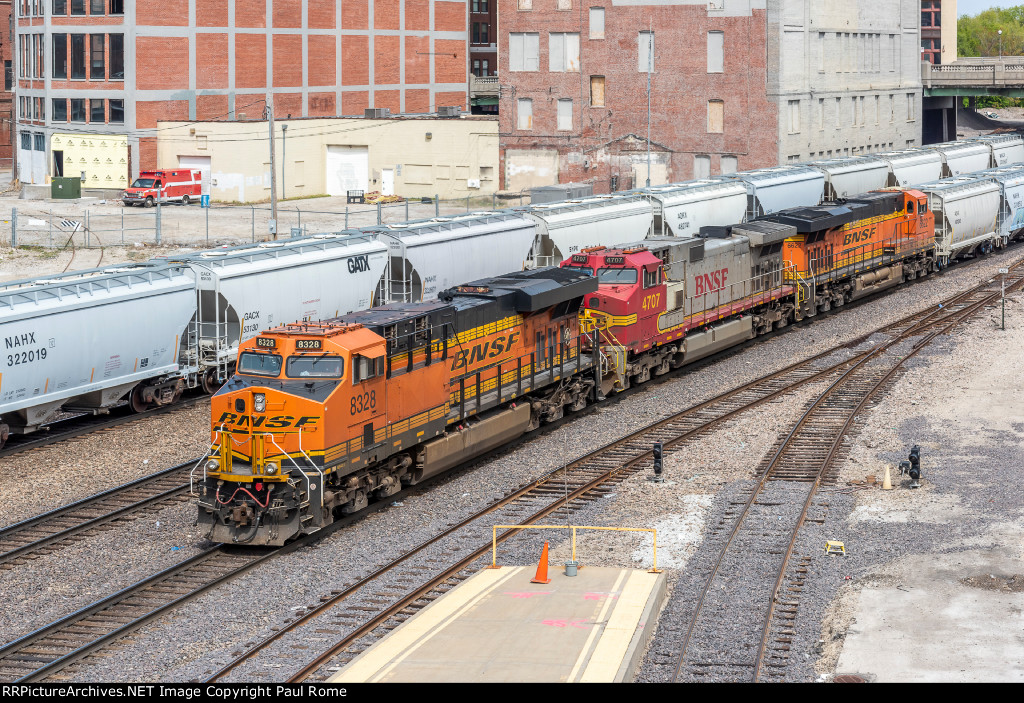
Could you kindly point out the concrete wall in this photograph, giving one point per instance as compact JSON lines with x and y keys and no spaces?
{"x":949,"y":33}
{"x":456,"y":152}
{"x":845,"y":75}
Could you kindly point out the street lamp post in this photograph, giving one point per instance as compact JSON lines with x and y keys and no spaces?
{"x":1000,"y":45}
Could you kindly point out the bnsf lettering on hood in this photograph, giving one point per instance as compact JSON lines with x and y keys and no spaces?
{"x":276,"y":421}
{"x":710,"y":282}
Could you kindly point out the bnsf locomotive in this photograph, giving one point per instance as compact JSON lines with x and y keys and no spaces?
{"x":320,"y":418}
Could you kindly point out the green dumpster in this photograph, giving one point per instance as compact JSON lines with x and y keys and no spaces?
{"x":66,"y":188}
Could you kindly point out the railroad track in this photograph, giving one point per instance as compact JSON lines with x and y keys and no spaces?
{"x":40,"y":654}
{"x":42,"y":534}
{"x":81,"y":425}
{"x":743,"y":622}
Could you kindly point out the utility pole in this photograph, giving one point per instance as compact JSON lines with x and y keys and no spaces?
{"x":273,"y":173}
{"x":650,"y":68}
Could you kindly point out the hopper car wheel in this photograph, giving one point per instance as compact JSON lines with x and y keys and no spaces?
{"x":210,"y":382}
{"x":4,"y":434}
{"x":184,"y":200}
{"x":137,"y":401}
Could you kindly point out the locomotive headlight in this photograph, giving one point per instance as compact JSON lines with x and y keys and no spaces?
{"x":259,"y":402}
{"x":212,"y":465}
{"x":271,"y":468}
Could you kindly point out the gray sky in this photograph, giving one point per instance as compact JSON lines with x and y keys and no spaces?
{"x":973,"y":7}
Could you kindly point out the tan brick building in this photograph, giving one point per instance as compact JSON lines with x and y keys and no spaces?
{"x":110,"y":68}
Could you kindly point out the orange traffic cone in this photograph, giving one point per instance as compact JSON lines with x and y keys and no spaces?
{"x":542,"y":567}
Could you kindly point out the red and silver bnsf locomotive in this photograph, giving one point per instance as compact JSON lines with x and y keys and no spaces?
{"x":321,"y":418}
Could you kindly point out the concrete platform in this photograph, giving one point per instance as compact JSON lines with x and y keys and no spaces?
{"x":499,"y":627}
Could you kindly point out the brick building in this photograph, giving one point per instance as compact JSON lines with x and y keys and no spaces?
{"x":109,"y":69}
{"x":734,"y":85}
{"x":938,"y":41}
{"x":7,"y":94}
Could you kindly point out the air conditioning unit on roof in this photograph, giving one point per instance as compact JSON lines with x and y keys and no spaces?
{"x":376,"y":113}
{"x":449,"y":111}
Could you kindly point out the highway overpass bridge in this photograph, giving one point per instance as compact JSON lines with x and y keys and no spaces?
{"x":944,"y":84}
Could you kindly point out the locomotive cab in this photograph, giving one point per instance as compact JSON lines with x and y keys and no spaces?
{"x":271,"y":437}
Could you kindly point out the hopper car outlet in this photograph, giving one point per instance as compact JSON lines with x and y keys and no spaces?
{"x":713,"y":245}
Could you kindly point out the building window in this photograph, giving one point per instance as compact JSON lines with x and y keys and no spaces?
{"x":645,"y":52}
{"x":97,"y":7}
{"x":8,"y":76}
{"x":117,"y":57}
{"x":564,"y":52}
{"x":910,"y":107}
{"x":77,"y":110}
{"x":60,"y":7}
{"x":116,"y":7}
{"x":523,"y":51}
{"x":563,"y":4}
{"x":597,"y":91}
{"x":60,"y":55}
{"x":78,"y":7}
{"x":78,"y":56}
{"x":524,"y":113}
{"x":480,"y":33}
{"x":60,"y":110}
{"x":564,"y":114}
{"x":476,"y":67}
{"x":597,"y":23}
{"x":794,"y":116}
{"x":716,"y":116}
{"x":701,"y":166}
{"x":486,"y":66}
{"x":117,"y":111}
{"x":479,"y":5}
{"x":716,"y":52}
{"x":97,"y":111}
{"x":525,"y":4}
{"x":96,"y":57}
{"x":729,"y":164}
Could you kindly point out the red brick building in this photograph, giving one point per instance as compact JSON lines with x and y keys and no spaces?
{"x":113,"y":68}
{"x":6,"y":95}
{"x":574,"y":92}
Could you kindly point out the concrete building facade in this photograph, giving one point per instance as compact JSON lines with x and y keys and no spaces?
{"x":846,"y":76}
{"x":412,"y":156}
{"x":734,"y":84}
{"x":109,"y":68}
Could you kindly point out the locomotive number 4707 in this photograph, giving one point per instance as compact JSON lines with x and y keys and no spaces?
{"x":651,"y":301}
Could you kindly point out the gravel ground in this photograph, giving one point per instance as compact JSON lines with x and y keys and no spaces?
{"x":207,"y":630}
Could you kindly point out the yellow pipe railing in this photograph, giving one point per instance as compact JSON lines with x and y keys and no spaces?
{"x":494,"y":538}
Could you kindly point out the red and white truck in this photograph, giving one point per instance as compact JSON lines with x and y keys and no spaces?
{"x":178,"y":186}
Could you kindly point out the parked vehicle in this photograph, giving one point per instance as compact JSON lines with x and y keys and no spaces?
{"x":180,"y":186}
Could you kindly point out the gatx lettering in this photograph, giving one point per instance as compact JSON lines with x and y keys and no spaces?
{"x":20,"y":340}
{"x":273,"y":422}
{"x":484,"y":350}
{"x":359,"y":263}
{"x":710,"y":282}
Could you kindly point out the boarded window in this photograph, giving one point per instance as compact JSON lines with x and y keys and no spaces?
{"x":716,"y":116}
{"x":524,"y":51}
{"x":525,"y":114}
{"x":794,"y":116}
{"x":597,"y":23}
{"x":564,"y":52}
{"x":645,"y":52}
{"x":597,"y":91}
{"x":563,"y":4}
{"x":701,"y":166}
{"x":729,"y":164}
{"x":525,"y":4}
{"x":564,"y":114}
{"x":716,"y":52}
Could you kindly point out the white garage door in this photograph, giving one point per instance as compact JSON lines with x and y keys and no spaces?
{"x":348,"y":168}
{"x":201,"y":163}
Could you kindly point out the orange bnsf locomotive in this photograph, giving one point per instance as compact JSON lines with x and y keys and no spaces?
{"x":668,"y":301}
{"x":322,"y":417}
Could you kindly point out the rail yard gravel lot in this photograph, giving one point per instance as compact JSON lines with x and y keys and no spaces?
{"x":195,"y":639}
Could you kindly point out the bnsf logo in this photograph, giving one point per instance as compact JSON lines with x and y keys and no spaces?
{"x":484,"y":350}
{"x":710,"y":282}
{"x":277,"y":421}
{"x":862,"y":235}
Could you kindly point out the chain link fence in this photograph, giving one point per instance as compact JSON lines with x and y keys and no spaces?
{"x":64,"y":224}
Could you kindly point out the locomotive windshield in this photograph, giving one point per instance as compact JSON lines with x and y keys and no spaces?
{"x":143,"y":183}
{"x":586,"y":270}
{"x":315,"y":366}
{"x":616,"y":277}
{"x":259,"y":364}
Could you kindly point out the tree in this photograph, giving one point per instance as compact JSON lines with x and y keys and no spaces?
{"x":979,"y":35}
